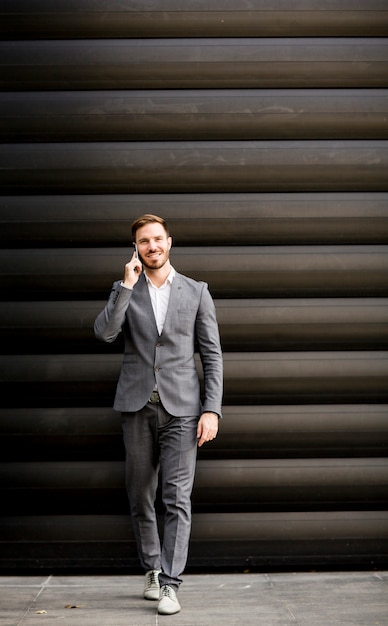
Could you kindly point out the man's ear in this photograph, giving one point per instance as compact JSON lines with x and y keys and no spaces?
{"x":169,"y":240}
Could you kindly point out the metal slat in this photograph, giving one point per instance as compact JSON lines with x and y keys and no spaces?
{"x":269,"y":324}
{"x":64,"y":19}
{"x":265,"y":525}
{"x":299,"y":431}
{"x":247,"y":539}
{"x":240,"y":63}
{"x":84,"y":367}
{"x":302,"y":323}
{"x":304,"y":377}
{"x":253,"y":378}
{"x":196,"y":219}
{"x":237,"y":421}
{"x":302,"y":538}
{"x":237,"y":272}
{"x":154,"y":167}
{"x":194,"y":115}
{"x":238,"y":484}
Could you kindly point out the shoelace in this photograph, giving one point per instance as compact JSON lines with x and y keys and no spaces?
{"x":166,"y":591}
{"x":152,"y":579}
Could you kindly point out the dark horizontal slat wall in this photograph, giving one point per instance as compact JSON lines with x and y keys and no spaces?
{"x":259,"y":130}
{"x":44,"y":19}
{"x":234,"y":166}
{"x":195,"y":114}
{"x":269,"y":324}
{"x":254,"y":218}
{"x":199,"y":63}
{"x":250,"y":431}
{"x":237,"y":272}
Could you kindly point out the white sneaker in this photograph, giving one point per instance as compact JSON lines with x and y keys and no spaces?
{"x":151,"y":585}
{"x":168,"y":602}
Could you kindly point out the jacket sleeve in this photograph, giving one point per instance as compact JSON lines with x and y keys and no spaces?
{"x":209,"y":346}
{"x":109,"y":322}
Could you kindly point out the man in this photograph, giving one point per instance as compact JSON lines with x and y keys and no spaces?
{"x":165,"y":317}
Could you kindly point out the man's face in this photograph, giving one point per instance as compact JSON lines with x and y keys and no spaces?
{"x":153,"y":245}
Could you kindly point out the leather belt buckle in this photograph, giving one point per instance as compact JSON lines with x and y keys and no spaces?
{"x":154,"y":398}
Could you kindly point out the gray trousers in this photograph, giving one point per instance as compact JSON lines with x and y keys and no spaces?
{"x":160,"y":445}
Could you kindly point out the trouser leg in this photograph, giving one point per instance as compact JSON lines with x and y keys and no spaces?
{"x":178,"y":452}
{"x":141,"y":474}
{"x":154,"y":440}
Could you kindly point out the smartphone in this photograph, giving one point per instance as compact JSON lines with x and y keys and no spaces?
{"x":136,"y":269}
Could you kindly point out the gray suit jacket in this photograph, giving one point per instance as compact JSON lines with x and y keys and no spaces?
{"x":167,"y":359}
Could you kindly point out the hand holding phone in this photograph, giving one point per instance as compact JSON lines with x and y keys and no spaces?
{"x":132,"y":270}
{"x":137,"y":267}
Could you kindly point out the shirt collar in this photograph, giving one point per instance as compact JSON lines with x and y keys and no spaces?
{"x":168,"y":280}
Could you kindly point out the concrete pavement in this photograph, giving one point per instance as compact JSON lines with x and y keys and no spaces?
{"x":215,"y":599}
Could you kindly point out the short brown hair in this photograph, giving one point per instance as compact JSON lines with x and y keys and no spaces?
{"x":148,"y":218}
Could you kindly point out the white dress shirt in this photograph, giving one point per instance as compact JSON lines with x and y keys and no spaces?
{"x":160,"y":297}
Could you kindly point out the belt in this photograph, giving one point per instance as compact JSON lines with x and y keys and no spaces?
{"x":154,"y":398}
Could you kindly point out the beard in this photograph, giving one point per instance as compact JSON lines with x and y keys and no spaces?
{"x":155,"y":264}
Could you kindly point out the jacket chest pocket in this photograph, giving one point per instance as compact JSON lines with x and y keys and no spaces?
{"x":186,"y":320}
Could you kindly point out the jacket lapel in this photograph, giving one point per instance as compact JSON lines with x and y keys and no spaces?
{"x":173,"y":302}
{"x":143,"y":301}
